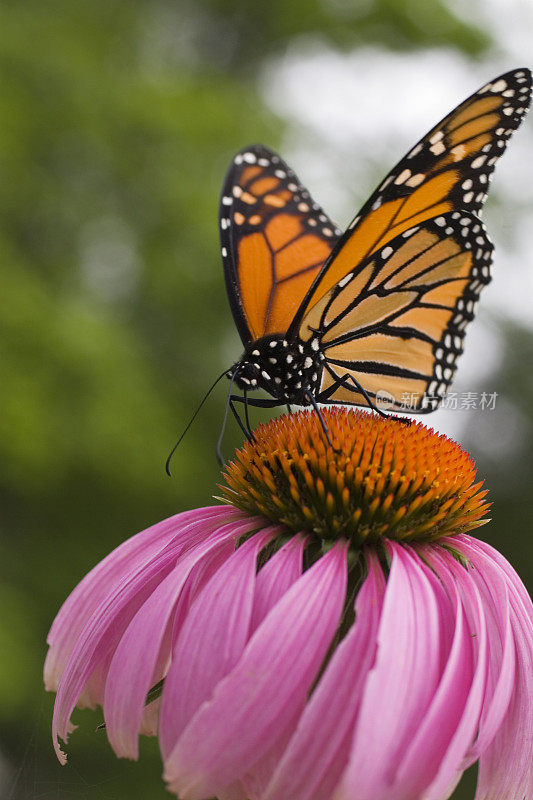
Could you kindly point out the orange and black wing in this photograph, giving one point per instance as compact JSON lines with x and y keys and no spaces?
{"x":395,"y":326}
{"x":449,"y":169}
{"x":274,"y":239}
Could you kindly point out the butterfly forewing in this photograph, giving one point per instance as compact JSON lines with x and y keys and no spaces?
{"x":449,"y":169}
{"x":396,"y":325}
{"x":274,"y":238}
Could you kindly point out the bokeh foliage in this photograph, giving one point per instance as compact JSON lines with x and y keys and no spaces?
{"x":117,"y":121}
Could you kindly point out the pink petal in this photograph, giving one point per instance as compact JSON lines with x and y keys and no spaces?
{"x":106,"y":626}
{"x":434,"y":760}
{"x":492,"y":586}
{"x":234,"y":792}
{"x":276,"y":576}
{"x":133,"y":668}
{"x":100,"y":581}
{"x":402,"y":683}
{"x":253,"y":706}
{"x":505,"y":766}
{"x":150,"y":718}
{"x":199,"y":577}
{"x":319,"y":749}
{"x":513,"y":578}
{"x":212,"y":639}
{"x":257,"y":778}
{"x":274,"y":579}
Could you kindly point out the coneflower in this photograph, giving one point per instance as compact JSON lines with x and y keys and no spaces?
{"x":331,"y":631}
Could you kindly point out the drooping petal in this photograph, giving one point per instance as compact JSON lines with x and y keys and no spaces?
{"x":433,"y":763}
{"x":199,"y":577}
{"x":212,"y":639}
{"x":275,"y":578}
{"x":132,"y":670}
{"x":505,"y":766}
{"x":150,"y":718}
{"x":512,"y":576}
{"x":234,"y":792}
{"x":108,"y":623}
{"x":402,"y":683}
{"x":266,"y":691}
{"x":92,"y":694}
{"x":100,"y":581}
{"x":257,"y":778}
{"x":493,"y":590}
{"x":318,"y":751}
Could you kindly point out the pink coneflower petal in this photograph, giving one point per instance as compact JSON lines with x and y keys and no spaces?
{"x":400,"y":686}
{"x":511,"y":575}
{"x":505,"y":766}
{"x":109,"y":621}
{"x":133,"y":669}
{"x":100,"y":581}
{"x":212,"y":639}
{"x":150,"y":718}
{"x":273,"y":580}
{"x":276,"y":577}
{"x":235,"y":792}
{"x":318,"y":751}
{"x":434,"y":761}
{"x":265,"y":693}
{"x":494,"y":593}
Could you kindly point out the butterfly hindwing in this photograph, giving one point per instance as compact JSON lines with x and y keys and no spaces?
{"x":449,"y":169}
{"x":274,"y":239}
{"x":396,"y":324}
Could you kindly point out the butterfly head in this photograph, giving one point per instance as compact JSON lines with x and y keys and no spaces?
{"x":244,"y":374}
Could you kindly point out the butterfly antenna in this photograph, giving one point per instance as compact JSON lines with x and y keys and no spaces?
{"x":167,"y":462}
{"x":220,"y":457}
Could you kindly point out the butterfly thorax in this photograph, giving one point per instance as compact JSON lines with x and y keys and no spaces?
{"x":288,"y":370}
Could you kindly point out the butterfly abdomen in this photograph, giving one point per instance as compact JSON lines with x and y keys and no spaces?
{"x":288,"y":370}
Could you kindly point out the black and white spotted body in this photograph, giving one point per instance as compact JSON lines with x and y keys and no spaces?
{"x":288,"y":370}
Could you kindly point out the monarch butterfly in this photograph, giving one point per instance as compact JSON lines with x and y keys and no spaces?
{"x":382,"y":308}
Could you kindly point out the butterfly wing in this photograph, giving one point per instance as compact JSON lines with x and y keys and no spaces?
{"x":274,"y":240}
{"x":449,"y":169}
{"x":396,"y":324}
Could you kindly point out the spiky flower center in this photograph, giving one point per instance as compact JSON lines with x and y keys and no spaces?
{"x":379,"y":478}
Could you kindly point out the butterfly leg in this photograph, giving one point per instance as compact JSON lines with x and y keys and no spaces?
{"x":257,"y":402}
{"x":245,"y":428}
{"x":357,"y":385}
{"x":345,"y":381}
{"x":373,"y":406}
{"x":235,"y":398}
{"x":246,"y":414}
{"x":247,"y":432}
{"x":313,"y":402}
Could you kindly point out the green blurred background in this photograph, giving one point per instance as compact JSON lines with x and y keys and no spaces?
{"x":118,"y":120}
